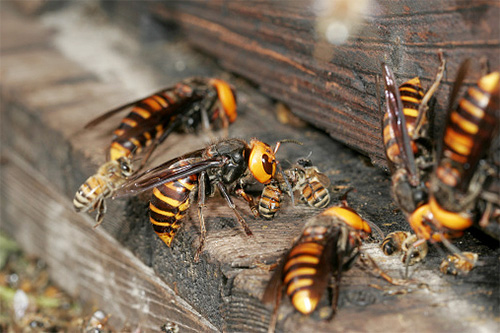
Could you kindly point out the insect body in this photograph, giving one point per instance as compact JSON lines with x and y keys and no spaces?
{"x":270,"y":200}
{"x":408,"y":149}
{"x":185,"y":106}
{"x":227,"y":166}
{"x":458,"y":264}
{"x":459,"y":176}
{"x":97,"y":188}
{"x":401,"y":242}
{"x":309,"y":184}
{"x":328,"y":245}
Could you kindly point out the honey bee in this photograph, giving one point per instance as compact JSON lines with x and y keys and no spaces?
{"x":458,"y":264}
{"x":102,"y":185}
{"x":270,"y":200}
{"x":227,"y":165}
{"x":328,"y":245}
{"x":305,"y":179}
{"x":186,"y":106}
{"x":401,"y":242}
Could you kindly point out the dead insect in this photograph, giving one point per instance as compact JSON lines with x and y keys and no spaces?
{"x":458,"y":264}
{"x":227,"y":165}
{"x":401,"y":242}
{"x":186,"y":106}
{"x":328,"y":245}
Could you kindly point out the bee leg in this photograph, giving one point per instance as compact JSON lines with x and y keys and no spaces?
{"x":230,"y":202}
{"x":249,"y":199}
{"x":201,"y":205}
{"x":101,"y":210}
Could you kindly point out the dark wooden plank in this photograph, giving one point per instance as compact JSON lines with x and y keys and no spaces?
{"x":43,"y":128}
{"x":87,"y":263}
{"x":275,"y":45}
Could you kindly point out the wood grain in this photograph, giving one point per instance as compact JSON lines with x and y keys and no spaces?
{"x":275,"y":45}
{"x":125,"y":267}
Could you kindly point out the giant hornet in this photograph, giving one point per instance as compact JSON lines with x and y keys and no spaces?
{"x":186,"y":106}
{"x":458,"y":177}
{"x":407,"y":147}
{"x":305,"y":179}
{"x":328,"y":245}
{"x":227,"y":165}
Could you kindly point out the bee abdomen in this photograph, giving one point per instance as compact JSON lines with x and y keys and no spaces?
{"x":89,"y":192}
{"x":169,"y":205}
{"x":316,"y":194}
{"x":300,"y":271}
{"x":270,"y":200}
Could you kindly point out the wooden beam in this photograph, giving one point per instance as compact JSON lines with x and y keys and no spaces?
{"x":123,"y":265}
{"x":276,"y":45}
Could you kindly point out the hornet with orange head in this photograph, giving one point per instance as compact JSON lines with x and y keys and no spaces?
{"x":190,"y":104}
{"x":407,"y":146}
{"x":409,"y":152}
{"x":228,"y":166}
{"x":328,"y":245}
{"x":460,"y":173}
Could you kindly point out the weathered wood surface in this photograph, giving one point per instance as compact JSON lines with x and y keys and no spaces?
{"x":48,"y":92}
{"x":276,"y":45}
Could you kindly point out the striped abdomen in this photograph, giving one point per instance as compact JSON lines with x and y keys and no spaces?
{"x":468,"y":134}
{"x":88,"y":195}
{"x":168,"y":206}
{"x":315,"y":194}
{"x":300,"y":272}
{"x":411,"y":95}
{"x":125,"y":145}
{"x":269,"y":202}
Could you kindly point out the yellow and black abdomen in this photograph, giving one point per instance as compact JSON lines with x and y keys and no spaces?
{"x":270,"y":200}
{"x":125,"y":144}
{"x":169,"y":205}
{"x":411,"y":93}
{"x":90,"y":192}
{"x":468,"y":134}
{"x":316,"y":194}
{"x":300,"y":275}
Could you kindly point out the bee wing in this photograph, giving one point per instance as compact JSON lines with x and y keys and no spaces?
{"x":120,"y":108}
{"x":165,"y":173}
{"x":323,"y":179}
{"x":394,"y":110}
